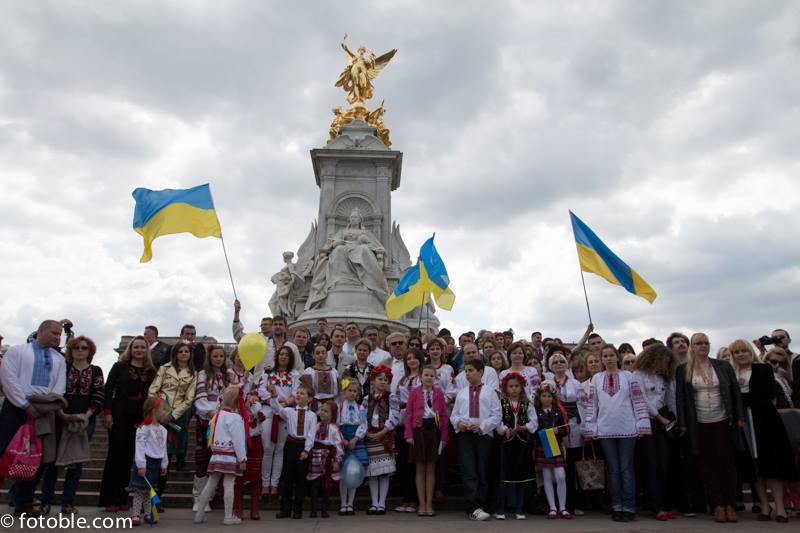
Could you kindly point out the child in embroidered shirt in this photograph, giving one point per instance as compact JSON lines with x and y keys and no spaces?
{"x":476,"y":414}
{"x":551,"y":415}
{"x":255,"y":455}
{"x":326,"y":458}
{"x":383,"y":411}
{"x":150,"y":457}
{"x":228,"y":455}
{"x":353,"y":425}
{"x":301,"y":427}
{"x":517,"y":427}
{"x":321,"y":377}
{"x":211,"y":384}
{"x":426,"y":432}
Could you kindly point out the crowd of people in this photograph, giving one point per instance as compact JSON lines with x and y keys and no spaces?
{"x":524,"y":425}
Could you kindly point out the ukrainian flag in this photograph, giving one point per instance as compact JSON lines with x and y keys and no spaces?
{"x":549,"y":442}
{"x":174,"y":211}
{"x":597,"y":258}
{"x":413,"y":290}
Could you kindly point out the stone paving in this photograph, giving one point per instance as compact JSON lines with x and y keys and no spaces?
{"x":180,"y":521}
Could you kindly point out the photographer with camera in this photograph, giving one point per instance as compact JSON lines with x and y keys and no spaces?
{"x":780,"y":339}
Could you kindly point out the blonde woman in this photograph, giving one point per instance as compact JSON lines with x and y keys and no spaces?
{"x":774,"y":463}
{"x":710,"y":410}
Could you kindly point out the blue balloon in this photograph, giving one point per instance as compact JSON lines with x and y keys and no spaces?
{"x":353,"y":472}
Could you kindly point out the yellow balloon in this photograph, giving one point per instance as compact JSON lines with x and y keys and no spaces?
{"x":251,"y":349}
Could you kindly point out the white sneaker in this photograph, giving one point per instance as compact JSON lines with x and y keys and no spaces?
{"x":199,"y":517}
{"x":578,"y":512}
{"x":400,"y":509}
{"x":480,"y":515}
{"x":232,"y":521}
{"x":499,"y":516}
{"x":520,"y":517}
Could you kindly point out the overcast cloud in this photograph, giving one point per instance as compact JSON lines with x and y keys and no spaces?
{"x":670,"y":128}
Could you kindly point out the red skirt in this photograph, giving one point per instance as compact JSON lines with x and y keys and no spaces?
{"x":550,"y":462}
{"x":255,"y":454}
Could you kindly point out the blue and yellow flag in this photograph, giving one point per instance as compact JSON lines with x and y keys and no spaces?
{"x":174,"y":211}
{"x":597,"y":258}
{"x":428,"y":276}
{"x":549,"y":442}
{"x":154,"y":501}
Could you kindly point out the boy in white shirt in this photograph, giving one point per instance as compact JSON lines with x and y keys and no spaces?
{"x":475,"y":416}
{"x":301,"y":425}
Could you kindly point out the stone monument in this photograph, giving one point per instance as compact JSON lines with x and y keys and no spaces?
{"x":353,"y":255}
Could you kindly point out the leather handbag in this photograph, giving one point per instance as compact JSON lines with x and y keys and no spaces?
{"x":591,"y":473}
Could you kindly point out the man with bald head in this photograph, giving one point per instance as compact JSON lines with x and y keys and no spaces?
{"x":28,"y":369}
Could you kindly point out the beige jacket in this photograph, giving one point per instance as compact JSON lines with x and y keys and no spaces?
{"x":179,"y":389}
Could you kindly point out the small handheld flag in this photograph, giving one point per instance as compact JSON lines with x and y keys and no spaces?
{"x":174,"y":211}
{"x":428,"y":276}
{"x":154,"y":501}
{"x":549,"y":442}
{"x":597,"y":258}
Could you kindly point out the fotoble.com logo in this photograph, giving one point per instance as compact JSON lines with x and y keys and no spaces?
{"x":65,"y":521}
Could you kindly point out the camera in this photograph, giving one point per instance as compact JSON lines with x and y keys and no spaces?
{"x":766,"y":340}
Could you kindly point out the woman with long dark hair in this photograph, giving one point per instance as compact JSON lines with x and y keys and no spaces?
{"x":655,"y":371}
{"x":126,"y":390}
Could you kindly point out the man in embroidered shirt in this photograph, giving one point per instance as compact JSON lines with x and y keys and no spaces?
{"x":34,"y":368}
{"x":476,"y":414}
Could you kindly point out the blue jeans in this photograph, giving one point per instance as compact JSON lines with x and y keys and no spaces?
{"x":72,"y":474}
{"x":619,"y":460}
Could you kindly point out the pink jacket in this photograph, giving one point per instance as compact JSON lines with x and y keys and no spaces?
{"x":415,"y":409}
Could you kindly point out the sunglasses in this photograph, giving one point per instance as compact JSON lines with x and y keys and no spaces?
{"x":80,"y":349}
{"x":398,"y":343}
{"x":779,"y":337}
{"x":774,"y":362}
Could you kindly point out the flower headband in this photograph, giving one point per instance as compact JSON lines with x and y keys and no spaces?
{"x":380,"y":369}
{"x":513,"y":375}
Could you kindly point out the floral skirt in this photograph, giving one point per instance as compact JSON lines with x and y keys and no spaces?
{"x":178,"y":441}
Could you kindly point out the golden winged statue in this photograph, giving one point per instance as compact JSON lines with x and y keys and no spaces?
{"x":356,"y":79}
{"x":362,"y":67}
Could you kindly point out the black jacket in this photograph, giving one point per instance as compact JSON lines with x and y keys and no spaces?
{"x":160,"y":353}
{"x":731,"y":400}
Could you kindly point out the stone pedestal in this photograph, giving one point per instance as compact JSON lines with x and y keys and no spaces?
{"x":356,"y":173}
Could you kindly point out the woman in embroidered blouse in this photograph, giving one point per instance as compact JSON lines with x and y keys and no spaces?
{"x":569,"y":392}
{"x":360,"y":368}
{"x":176,"y":381}
{"x":436,"y":350}
{"x":655,"y":370}
{"x":126,"y":390}
{"x":85,"y":395}
{"x":274,"y":431}
{"x":710,"y":411}
{"x":774,"y":458}
{"x":616,"y":415}
{"x":516,"y":358}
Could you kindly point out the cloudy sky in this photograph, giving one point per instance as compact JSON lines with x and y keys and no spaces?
{"x":670,"y":128}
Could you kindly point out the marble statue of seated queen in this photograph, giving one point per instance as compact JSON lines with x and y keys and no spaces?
{"x":352,"y":257}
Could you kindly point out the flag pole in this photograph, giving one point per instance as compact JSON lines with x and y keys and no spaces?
{"x":422,"y":303}
{"x":225,"y":252}
{"x":584,"y":293}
